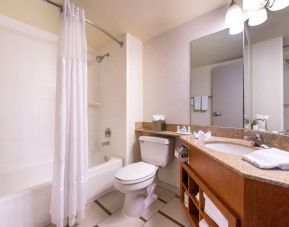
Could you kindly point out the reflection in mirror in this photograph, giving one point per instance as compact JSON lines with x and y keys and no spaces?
{"x":217,"y":80}
{"x":266,"y":54}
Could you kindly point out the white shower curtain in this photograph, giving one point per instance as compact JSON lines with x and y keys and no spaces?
{"x":68,"y":196}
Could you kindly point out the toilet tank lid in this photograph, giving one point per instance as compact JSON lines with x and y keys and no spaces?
{"x":154,"y":139}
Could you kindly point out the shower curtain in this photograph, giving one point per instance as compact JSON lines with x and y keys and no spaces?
{"x":68,"y":196}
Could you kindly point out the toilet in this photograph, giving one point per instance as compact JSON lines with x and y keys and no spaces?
{"x":138,"y":180}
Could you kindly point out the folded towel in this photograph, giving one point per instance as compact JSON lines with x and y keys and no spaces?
{"x":205,"y":100}
{"x":197,"y":103}
{"x":213,"y":212}
{"x":203,"y":223}
{"x":268,"y":159}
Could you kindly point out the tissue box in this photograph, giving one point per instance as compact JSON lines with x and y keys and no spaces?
{"x":158,"y":126}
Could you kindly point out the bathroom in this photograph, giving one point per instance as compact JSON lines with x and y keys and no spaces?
{"x":147,"y":68}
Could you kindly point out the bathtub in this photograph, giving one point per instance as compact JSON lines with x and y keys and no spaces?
{"x":25,"y":202}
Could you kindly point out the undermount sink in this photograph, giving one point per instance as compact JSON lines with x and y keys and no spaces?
{"x":230,"y":148}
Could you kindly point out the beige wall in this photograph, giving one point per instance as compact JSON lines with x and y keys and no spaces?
{"x":134,"y":95}
{"x":167,"y":74}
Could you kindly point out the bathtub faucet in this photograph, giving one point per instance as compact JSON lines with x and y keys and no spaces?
{"x":105,"y":143}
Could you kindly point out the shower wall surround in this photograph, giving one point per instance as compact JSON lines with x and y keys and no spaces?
{"x":28,"y":59}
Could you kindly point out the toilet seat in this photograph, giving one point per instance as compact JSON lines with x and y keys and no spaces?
{"x":135,"y":173}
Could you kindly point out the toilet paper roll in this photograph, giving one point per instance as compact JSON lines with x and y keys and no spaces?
{"x":182,"y":154}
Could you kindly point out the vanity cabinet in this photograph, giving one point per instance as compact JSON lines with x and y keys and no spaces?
{"x":243,"y":201}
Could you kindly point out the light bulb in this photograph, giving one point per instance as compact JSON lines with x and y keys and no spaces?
{"x":234,"y":15}
{"x":258,"y":18}
{"x":275,"y":5}
{"x":252,"y":4}
{"x":236,"y":29}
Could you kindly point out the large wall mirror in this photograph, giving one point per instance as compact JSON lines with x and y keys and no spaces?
{"x":217,"y":80}
{"x":243,"y":80}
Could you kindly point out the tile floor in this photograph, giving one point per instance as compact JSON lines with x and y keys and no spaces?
{"x":166,"y":211}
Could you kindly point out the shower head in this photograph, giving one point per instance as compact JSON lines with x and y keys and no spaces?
{"x":101,"y":57}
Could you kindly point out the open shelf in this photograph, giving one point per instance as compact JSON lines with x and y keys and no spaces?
{"x":195,"y":189}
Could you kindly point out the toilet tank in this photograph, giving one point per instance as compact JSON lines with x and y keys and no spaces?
{"x":156,"y":150}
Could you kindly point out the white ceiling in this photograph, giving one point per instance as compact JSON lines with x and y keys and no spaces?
{"x":216,"y":48}
{"x":142,"y":18}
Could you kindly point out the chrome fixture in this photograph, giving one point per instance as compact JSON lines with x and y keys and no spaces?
{"x":105,"y":143}
{"x":90,"y":23}
{"x":257,"y":139}
{"x":101,"y":57}
{"x":107,"y":133}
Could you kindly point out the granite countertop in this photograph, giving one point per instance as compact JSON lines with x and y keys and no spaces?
{"x":235,"y":162}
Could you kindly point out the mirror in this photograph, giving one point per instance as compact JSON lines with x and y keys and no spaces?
{"x":266,"y":54}
{"x":217,"y":80}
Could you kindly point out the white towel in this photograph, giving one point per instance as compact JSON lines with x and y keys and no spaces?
{"x":269,"y":159}
{"x":205,"y":101}
{"x":213,"y":212}
{"x":203,"y":223}
{"x":197,"y":103}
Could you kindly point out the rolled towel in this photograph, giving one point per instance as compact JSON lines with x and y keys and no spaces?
{"x":268,"y":159}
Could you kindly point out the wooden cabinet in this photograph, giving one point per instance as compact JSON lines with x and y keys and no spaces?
{"x":195,"y":188}
{"x":243,"y":202}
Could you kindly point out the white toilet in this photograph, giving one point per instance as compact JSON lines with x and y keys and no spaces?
{"x":138,"y":180}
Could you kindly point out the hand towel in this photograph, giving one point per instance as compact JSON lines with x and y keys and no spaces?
{"x":205,"y":101}
{"x":197,"y":103}
{"x":268,"y":159}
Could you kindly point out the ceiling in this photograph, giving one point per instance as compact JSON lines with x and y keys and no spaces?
{"x":144,"y":19}
{"x":216,"y":48}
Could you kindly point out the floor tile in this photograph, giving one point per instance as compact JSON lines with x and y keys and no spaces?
{"x":164,"y":194}
{"x":174,"y":210}
{"x":112,"y":201}
{"x":93,"y":215}
{"x":153,"y":209}
{"x":160,"y":220}
{"x":119,"y":220}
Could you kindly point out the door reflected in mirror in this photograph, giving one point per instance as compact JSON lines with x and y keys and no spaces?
{"x":217,"y":80}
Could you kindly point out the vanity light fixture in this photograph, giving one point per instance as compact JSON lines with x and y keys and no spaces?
{"x":275,"y":5}
{"x":234,"y":19}
{"x":255,"y":11}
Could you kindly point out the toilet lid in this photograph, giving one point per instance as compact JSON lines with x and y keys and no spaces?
{"x":136,"y":171}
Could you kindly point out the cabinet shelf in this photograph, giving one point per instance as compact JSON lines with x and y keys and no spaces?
{"x":193,"y":186}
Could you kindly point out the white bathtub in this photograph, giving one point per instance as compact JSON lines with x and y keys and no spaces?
{"x":25,"y":190}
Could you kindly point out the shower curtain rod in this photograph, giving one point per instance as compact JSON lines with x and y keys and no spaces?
{"x":90,"y":23}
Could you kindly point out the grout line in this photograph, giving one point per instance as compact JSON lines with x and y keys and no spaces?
{"x":170,"y":218}
{"x":103,"y":207}
{"x":162,"y":200}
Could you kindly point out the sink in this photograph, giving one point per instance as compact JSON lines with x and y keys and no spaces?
{"x":230,"y":148}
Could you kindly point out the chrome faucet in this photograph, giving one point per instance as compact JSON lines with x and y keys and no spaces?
{"x":258,"y":140}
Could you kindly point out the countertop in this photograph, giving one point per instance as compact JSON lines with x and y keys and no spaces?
{"x":235,"y":162}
